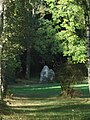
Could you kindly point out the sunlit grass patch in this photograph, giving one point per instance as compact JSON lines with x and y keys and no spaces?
{"x":45,"y":90}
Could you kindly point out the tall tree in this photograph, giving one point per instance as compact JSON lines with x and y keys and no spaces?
{"x":1,"y":26}
{"x":85,"y":4}
{"x":62,"y":26}
{"x":30,"y":28}
{"x":20,"y":27}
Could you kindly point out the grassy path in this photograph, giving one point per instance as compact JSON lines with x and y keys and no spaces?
{"x":42,"y":102}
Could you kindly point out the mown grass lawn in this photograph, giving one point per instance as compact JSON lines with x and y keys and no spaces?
{"x":43,"y":102}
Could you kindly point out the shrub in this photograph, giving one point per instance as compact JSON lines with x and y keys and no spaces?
{"x":67,"y":75}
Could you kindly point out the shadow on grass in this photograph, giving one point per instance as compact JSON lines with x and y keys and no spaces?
{"x":52,"y":108}
{"x":85,"y":91}
{"x":60,"y":109}
{"x":86,"y":117}
{"x":4,"y":109}
{"x":55,"y":111}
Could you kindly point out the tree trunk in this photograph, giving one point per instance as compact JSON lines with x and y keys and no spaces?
{"x":1,"y":26}
{"x":88,"y":53}
{"x":87,"y":22}
{"x":89,"y":73}
{"x":28,"y":59}
{"x":0,"y":76}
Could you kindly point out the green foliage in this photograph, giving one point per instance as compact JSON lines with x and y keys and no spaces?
{"x":46,"y":44}
{"x":12,"y":67}
{"x":54,"y":27}
{"x":67,"y":25}
{"x":62,"y":33}
{"x":19,"y":26}
{"x":10,"y":41}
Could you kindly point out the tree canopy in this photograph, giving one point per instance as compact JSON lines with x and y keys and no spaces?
{"x":65,"y":31}
{"x":50,"y":27}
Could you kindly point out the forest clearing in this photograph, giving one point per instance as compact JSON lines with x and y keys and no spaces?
{"x":49,"y":41}
{"x":43,"y":102}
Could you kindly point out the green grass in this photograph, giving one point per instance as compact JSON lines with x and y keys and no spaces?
{"x":43,"y":102}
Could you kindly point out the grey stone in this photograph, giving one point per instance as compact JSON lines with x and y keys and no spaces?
{"x":46,"y":74}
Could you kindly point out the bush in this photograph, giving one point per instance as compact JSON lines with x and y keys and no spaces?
{"x":67,"y":75}
{"x":8,"y":74}
{"x":10,"y":69}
